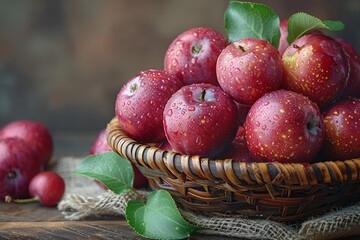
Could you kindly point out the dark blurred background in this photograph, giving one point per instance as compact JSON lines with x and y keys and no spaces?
{"x":62,"y":62}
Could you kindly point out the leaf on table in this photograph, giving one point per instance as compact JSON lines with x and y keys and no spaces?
{"x":252,"y":20}
{"x":302,"y":23}
{"x":158,"y":218}
{"x":114,"y":171}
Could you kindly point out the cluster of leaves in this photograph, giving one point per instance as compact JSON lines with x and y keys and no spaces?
{"x":242,"y":20}
{"x":255,"y":20}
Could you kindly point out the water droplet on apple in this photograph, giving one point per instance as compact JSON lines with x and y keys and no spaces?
{"x":170,"y":112}
{"x":179,"y":53}
{"x":174,"y":62}
{"x":276,"y":117}
{"x":257,"y":123}
{"x":128,"y":102}
{"x":191,"y":108}
{"x":266,"y":103}
{"x":263,"y":127}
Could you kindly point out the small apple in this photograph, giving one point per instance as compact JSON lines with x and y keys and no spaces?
{"x":100,"y":145}
{"x":192,"y":56}
{"x":18,"y":166}
{"x":48,"y":187}
{"x":352,"y":88}
{"x":200,"y":119}
{"x":284,"y":126}
{"x":249,"y":68}
{"x":342,"y":128}
{"x":36,"y":134}
{"x":316,"y":66}
{"x":140,"y":104}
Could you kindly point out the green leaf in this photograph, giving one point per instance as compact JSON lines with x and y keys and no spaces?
{"x":159,"y":218}
{"x":302,"y":23}
{"x":114,"y":171}
{"x":252,"y":20}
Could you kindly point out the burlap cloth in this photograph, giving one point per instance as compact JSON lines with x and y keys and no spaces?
{"x":84,"y":198}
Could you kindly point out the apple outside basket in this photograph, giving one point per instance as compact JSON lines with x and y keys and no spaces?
{"x":278,"y":191}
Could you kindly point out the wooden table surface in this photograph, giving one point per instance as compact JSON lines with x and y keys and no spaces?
{"x":33,"y":221}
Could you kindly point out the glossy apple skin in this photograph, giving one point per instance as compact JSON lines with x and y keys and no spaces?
{"x":316,"y":66}
{"x":249,"y":68}
{"x":36,"y":134}
{"x":18,"y":166}
{"x":200,"y":119}
{"x":100,"y":145}
{"x":48,"y":186}
{"x":192,"y":56}
{"x":284,"y":126}
{"x":140,"y":104}
{"x":352,"y":88}
{"x":342,"y":128}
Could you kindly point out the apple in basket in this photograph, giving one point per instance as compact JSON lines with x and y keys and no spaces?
{"x":284,"y":126}
{"x":200,"y":119}
{"x":140,"y":104}
{"x":316,"y":66}
{"x":249,"y":68}
{"x":192,"y":56}
{"x":342,"y":128}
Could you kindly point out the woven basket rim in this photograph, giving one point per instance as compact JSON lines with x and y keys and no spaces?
{"x":176,"y":165}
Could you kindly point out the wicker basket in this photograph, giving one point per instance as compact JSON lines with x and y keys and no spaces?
{"x":278,"y":191}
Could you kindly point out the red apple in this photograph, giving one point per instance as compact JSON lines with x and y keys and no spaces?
{"x":100,"y":145}
{"x":18,"y":166}
{"x":35,"y":134}
{"x":249,"y":68}
{"x":284,"y":126}
{"x":140,"y":104}
{"x":316,"y":66}
{"x":48,"y":187}
{"x":200,"y":119}
{"x":192,"y":56}
{"x":342,"y":128}
{"x":352,"y":88}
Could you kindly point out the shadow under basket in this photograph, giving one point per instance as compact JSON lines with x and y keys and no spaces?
{"x":272,"y":190}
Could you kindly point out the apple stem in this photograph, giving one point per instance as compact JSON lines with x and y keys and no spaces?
{"x":241,"y":48}
{"x":196,"y":49}
{"x":202,"y":96}
{"x":9,"y":199}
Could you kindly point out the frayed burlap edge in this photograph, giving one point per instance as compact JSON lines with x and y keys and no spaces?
{"x":341,"y":223}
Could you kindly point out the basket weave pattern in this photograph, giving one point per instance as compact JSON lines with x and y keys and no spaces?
{"x":278,"y":191}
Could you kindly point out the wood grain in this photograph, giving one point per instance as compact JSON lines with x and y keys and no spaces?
{"x":33,"y":221}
